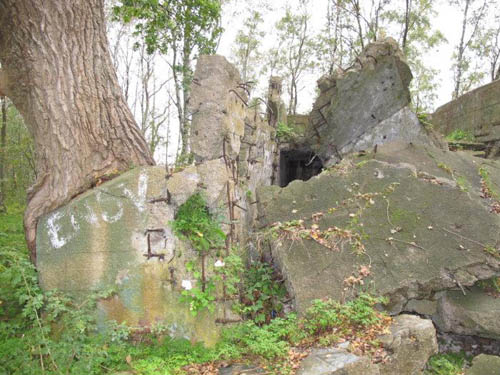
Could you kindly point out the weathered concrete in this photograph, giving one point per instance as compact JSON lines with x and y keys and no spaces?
{"x":218,"y":108}
{"x":103,"y":237}
{"x":365,"y":106}
{"x":484,"y":365}
{"x":410,"y":343}
{"x":100,"y":240}
{"x":477,"y":112}
{"x":336,"y":361}
{"x":475,"y":313}
{"x":276,"y":109}
{"x":398,"y":209}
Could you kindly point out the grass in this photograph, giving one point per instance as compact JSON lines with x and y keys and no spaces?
{"x":447,"y":364}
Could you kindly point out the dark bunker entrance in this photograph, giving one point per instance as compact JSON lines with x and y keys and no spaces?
{"x":298,"y":164}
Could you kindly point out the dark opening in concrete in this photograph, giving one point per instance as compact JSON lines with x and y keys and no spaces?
{"x":298,"y":164}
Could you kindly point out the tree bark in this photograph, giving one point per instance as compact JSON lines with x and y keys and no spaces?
{"x":3,"y":143}
{"x":59,"y":75}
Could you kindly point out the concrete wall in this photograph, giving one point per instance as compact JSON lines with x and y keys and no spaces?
{"x":477,"y":111}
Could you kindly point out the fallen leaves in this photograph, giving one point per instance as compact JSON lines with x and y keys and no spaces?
{"x":488,"y":194}
{"x":354,"y":280}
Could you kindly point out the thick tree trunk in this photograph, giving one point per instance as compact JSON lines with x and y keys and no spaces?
{"x":58,"y":73}
{"x":3,"y":144}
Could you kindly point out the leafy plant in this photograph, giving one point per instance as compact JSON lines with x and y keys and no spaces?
{"x":326,"y":315}
{"x":251,"y":339}
{"x":425,"y":120}
{"x":460,"y":135}
{"x":446,"y":364}
{"x":195,"y":223}
{"x":261,"y":295}
{"x":284,"y":132}
{"x":199,"y":298}
{"x":492,"y":284}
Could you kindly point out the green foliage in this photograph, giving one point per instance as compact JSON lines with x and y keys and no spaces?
{"x":51,"y":333}
{"x":325,"y":315}
{"x":424,"y":120}
{"x":468,"y":70}
{"x":446,"y":364}
{"x":261,"y":293}
{"x":445,"y":168}
{"x":179,"y":30}
{"x":322,"y":316}
{"x":284,"y":132}
{"x":166,"y":25}
{"x":195,"y":223}
{"x":231,"y":273}
{"x":200,"y":297}
{"x":18,"y":159}
{"x":268,"y":341}
{"x":492,"y":284}
{"x":487,"y":185}
{"x":460,"y":135}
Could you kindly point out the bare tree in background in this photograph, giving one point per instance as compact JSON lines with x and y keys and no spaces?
{"x":473,"y":15}
{"x":295,"y":53}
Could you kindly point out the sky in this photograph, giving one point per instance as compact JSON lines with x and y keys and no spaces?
{"x":448,"y":19}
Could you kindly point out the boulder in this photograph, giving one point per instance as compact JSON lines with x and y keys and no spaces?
{"x":484,"y":365}
{"x":475,"y":314}
{"x":406,"y":222}
{"x":365,"y":106}
{"x":241,"y":370}
{"x":410,"y":343}
{"x":336,"y":361}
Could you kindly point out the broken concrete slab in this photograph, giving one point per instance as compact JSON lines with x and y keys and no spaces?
{"x":218,"y":107}
{"x":484,"y":364}
{"x":336,"y":361}
{"x":394,"y":213}
{"x":365,"y":106}
{"x":475,"y":313}
{"x":410,"y":344}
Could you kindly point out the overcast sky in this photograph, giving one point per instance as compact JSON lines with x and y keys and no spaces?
{"x":448,"y":21}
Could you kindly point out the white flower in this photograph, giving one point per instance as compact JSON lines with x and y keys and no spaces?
{"x":219,"y":263}
{"x":186,"y":284}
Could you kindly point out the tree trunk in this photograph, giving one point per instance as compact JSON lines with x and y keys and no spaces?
{"x":460,"y":55}
{"x":3,"y":142}
{"x":406,"y":26}
{"x":58,"y":73}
